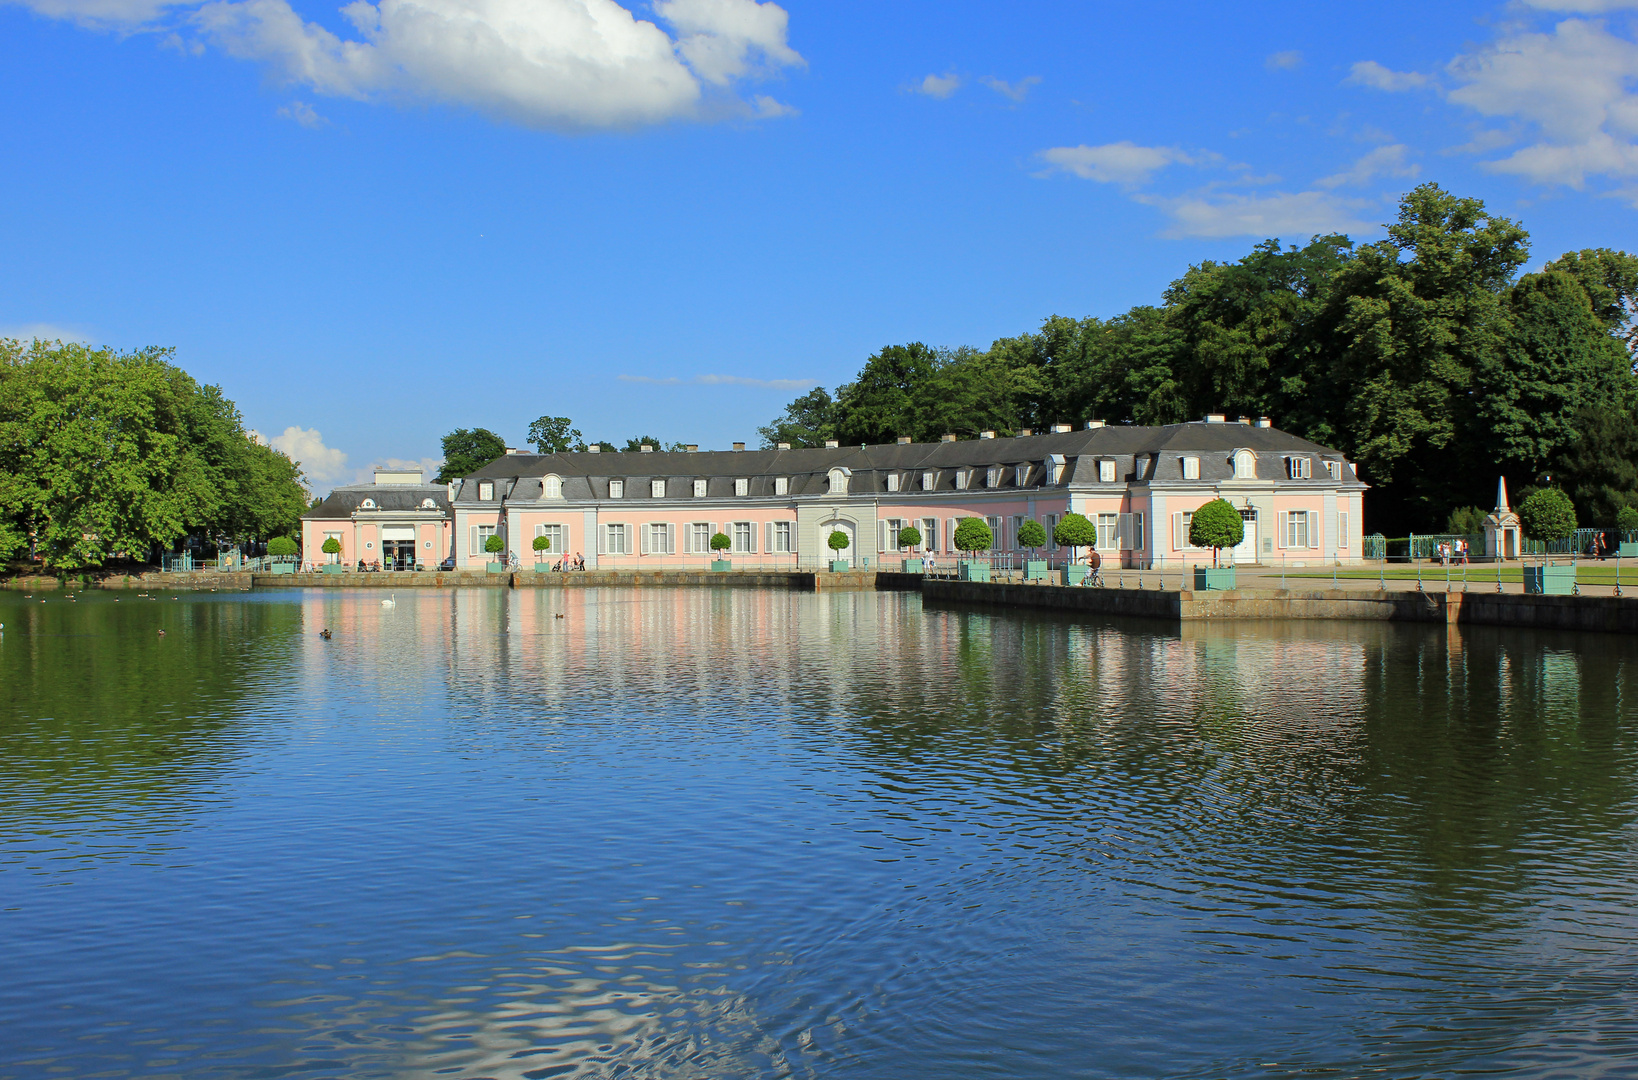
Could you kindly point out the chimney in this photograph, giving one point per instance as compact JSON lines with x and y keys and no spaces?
{"x":1093,"y":425}
{"x":1246,"y":420}
{"x":1025,"y":433}
{"x":946,"y":438}
{"x":1263,"y":421}
{"x":739,"y":446}
{"x":1216,"y":418}
{"x":693,"y":448}
{"x":986,"y":434}
{"x":831,"y":444}
{"x":594,"y":449}
{"x":904,"y":440}
{"x":782,"y":446}
{"x":513,"y":450}
{"x":646,"y":448}
{"x":1059,"y":429}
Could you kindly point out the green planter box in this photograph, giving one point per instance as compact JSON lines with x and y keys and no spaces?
{"x":1628,"y":549}
{"x":839,"y":566}
{"x":495,"y":567}
{"x":1549,"y":580}
{"x":1037,"y":570}
{"x":1211,"y":577}
{"x":334,"y":568}
{"x":284,"y":568}
{"x":912,"y":566}
{"x":972,"y":570}
{"x":1074,"y":575}
{"x":720,"y":565}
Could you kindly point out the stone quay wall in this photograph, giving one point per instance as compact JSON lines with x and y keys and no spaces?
{"x":806,"y":581}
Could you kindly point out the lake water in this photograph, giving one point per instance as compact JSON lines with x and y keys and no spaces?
{"x":747,"y":833}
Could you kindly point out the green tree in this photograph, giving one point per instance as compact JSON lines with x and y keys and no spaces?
{"x":837,"y":541}
{"x":720,"y":542}
{"x":1031,"y":535}
{"x":886,"y":400}
{"x":634,"y":446}
{"x":542,"y":543}
{"x":972,"y":534}
{"x":1466,"y":521}
{"x":331,"y":546}
{"x":1074,"y":531}
{"x":1547,"y":514}
{"x":1216,"y":525}
{"x":807,"y":422}
{"x":910,"y":537}
{"x":282,"y":546}
{"x":1610,"y":279}
{"x":494,"y":545}
{"x":1627,"y":519}
{"x":553,"y":434}
{"x":1600,"y":468}
{"x":466,"y":450}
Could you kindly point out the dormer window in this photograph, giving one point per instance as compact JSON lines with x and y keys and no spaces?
{"x":656,"y":489}
{"x":1245,"y":465}
{"x":551,"y":487}
{"x":429,"y":504}
{"x":1106,"y":471}
{"x":1055,"y":469}
{"x":1299,"y":468}
{"x":742,"y":487}
{"x":838,"y":481}
{"x":1334,"y":469}
{"x":486,"y":490}
{"x":1021,"y":476}
{"x":367,"y":504}
{"x":1191,"y":468}
{"x":963,"y":477}
{"x":929,"y":481}
{"x":782,"y":485}
{"x":1139,"y":467}
{"x":699,"y":489}
{"x":992,"y":476}
{"x":892,"y":481}
{"x":617,"y":489}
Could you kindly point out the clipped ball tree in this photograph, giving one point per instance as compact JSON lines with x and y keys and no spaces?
{"x":837,"y":541}
{"x":1216,"y":525}
{"x":1031,"y":535}
{"x":283,"y":545}
{"x":1626,"y":519}
{"x":542,"y":543}
{"x":1547,"y":514}
{"x":331,"y":546}
{"x":973,"y":535}
{"x":1075,"y":531}
{"x":720,"y":542}
{"x":910,"y":537}
{"x":494,"y":545}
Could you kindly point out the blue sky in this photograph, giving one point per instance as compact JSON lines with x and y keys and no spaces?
{"x":371,"y":226}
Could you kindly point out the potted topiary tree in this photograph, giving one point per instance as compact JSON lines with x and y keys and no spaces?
{"x":1545,"y":516}
{"x":720,"y":542}
{"x":1626,"y":523}
{"x":542,"y":545}
{"x":332,"y":546}
{"x":973,"y":535}
{"x":910,"y":537}
{"x":1216,"y":525}
{"x":282,"y":555}
{"x":838,"y":542}
{"x":494,"y":546}
{"x":1031,"y":535}
{"x":1074,"y":532}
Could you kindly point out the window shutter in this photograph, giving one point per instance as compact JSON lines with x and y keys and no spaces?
{"x":472,"y":546}
{"x":930,"y":541}
{"x":949,"y":534}
{"x":642,"y":538}
{"x":1313,"y":530}
{"x":1123,"y":531}
{"x":768,"y":539}
{"x":1137,"y":530}
{"x":1177,"y":532}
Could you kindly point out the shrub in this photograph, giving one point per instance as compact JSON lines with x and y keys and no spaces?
{"x":282,"y":545}
{"x":837,"y":541}
{"x":494,"y":545}
{"x":1075,"y":530}
{"x":1626,"y":519}
{"x":1547,"y":514}
{"x":909,"y":537}
{"x":543,"y":543}
{"x":1216,"y":525}
{"x":973,"y":535}
{"x":331,"y":546}
{"x":1466,"y":521}
{"x":720,"y":542}
{"x":1031,"y":535}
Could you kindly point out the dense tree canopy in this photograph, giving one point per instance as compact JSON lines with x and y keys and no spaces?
{"x":107,"y":455}
{"x":553,"y":434}
{"x":466,"y":450}
{"x":1424,"y":357}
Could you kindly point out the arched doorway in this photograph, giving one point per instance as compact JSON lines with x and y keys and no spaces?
{"x":849,"y":554}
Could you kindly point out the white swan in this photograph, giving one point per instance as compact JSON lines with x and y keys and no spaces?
{"x":391,"y":601}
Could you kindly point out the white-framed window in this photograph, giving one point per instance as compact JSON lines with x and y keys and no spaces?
{"x":1342,"y":529}
{"x":616,"y":540}
{"x":1298,"y":531}
{"x":367,"y":504}
{"x":997,"y":540}
{"x":1180,"y":530}
{"x":551,"y":487}
{"x":1106,"y":471}
{"x":1299,"y":468}
{"x":1108,"y":532}
{"x":1055,"y":470}
{"x":1140,"y":466}
{"x":429,"y":504}
{"x":617,"y":489}
{"x":486,"y":490}
{"x":782,"y":485}
{"x":838,"y":482}
{"x":782,"y":537}
{"x":659,"y":538}
{"x":891,"y":534}
{"x":1245,"y":465}
{"x":480,"y":539}
{"x":557,"y":537}
{"x":929,"y":481}
{"x":1050,"y":523}
{"x":697,"y":537}
{"x":1017,"y":523}
{"x":1333,"y":469}
{"x":1191,"y":468}
{"x":744,"y":536}
{"x":742,"y":486}
{"x":992,"y":476}
{"x":330,"y":558}
{"x":929,"y":534}
{"x":963,"y":477}
{"x":1021,"y":476}
{"x":699,"y":489}
{"x":892,"y":481}
{"x":656,"y":489}
{"x":1134,"y":532}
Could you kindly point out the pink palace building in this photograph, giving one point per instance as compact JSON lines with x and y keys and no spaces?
{"x":1138,"y":485}
{"x":396,"y":523}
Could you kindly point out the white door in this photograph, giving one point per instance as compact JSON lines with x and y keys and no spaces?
{"x":1246,"y":550}
{"x":848,"y":553}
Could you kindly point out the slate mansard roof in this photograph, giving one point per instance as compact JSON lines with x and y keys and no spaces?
{"x":585,"y":477}
{"x":342,"y":503}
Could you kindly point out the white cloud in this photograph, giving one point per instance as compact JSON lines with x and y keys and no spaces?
{"x":723,"y":380}
{"x":939,"y":86}
{"x":1017,"y":91}
{"x":1383,"y":161}
{"x":649,"y":380}
{"x":566,"y":64}
{"x":1585,"y":7}
{"x":1122,"y":162}
{"x":1284,"y":61}
{"x":428,"y":466}
{"x":1302,"y":214}
{"x":1372,"y":74}
{"x":45,"y":332}
{"x":303,"y":114}
{"x":322,"y":464}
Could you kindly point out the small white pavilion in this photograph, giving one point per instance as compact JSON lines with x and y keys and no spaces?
{"x":1502,"y":535}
